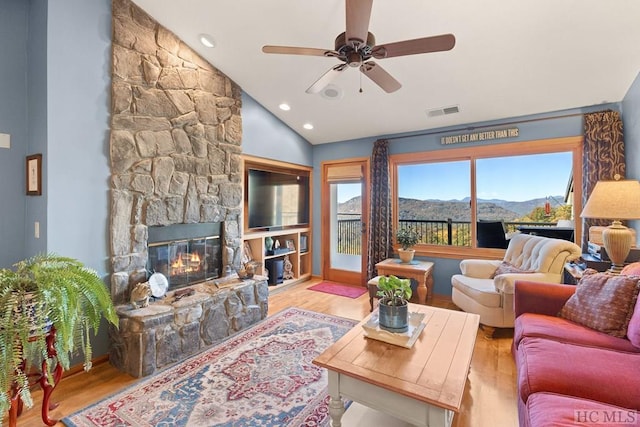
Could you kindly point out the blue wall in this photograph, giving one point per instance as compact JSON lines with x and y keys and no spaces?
{"x":69,"y":81}
{"x":264,"y":135}
{"x":13,"y":121}
{"x":36,"y":207}
{"x":559,"y":124}
{"x":78,"y":76}
{"x":54,"y":100}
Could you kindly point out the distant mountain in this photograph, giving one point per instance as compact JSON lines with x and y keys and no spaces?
{"x":457,"y":210}
{"x":524,"y":207}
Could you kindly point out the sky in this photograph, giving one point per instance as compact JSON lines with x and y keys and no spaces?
{"x":516,"y":178}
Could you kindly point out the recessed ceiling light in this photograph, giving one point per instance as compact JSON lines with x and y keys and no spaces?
{"x":307,"y":126}
{"x":284,"y":107}
{"x":207,"y":40}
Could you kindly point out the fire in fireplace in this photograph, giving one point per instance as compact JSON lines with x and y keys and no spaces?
{"x":186,"y":253}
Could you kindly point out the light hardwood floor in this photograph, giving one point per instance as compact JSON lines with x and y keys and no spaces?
{"x":489,"y":400}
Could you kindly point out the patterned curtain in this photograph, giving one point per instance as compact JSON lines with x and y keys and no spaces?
{"x":380,"y":227}
{"x":603,"y":157}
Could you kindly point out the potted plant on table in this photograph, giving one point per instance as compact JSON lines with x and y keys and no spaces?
{"x":393,"y":309}
{"x":45,"y":300}
{"x":407,"y":238}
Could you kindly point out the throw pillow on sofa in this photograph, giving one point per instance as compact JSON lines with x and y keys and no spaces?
{"x":632,"y":269}
{"x":603,"y":302}
{"x":633,"y":331}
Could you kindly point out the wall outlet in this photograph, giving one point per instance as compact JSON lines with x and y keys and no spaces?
{"x":5,"y":140}
{"x":36,"y":230}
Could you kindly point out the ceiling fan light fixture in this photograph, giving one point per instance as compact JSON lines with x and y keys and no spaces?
{"x":332,"y":92}
{"x":207,"y":40}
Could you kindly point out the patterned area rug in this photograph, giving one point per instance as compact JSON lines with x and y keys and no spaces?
{"x":338,"y":289}
{"x":262,"y":376}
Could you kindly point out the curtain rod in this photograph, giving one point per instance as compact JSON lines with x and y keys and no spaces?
{"x":469,"y":128}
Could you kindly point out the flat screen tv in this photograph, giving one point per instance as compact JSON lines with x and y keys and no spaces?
{"x":276,"y":199}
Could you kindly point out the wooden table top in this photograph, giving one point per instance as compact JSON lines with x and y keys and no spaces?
{"x":434,"y":370}
{"x":415,"y":265}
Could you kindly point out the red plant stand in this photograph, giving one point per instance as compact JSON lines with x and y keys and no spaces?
{"x":41,"y":378}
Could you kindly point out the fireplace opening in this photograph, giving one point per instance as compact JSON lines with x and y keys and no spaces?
{"x":186,"y":253}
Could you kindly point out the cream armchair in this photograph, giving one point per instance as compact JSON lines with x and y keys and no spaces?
{"x":476,"y":290}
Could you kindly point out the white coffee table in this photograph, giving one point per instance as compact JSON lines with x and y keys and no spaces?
{"x":422,"y":385}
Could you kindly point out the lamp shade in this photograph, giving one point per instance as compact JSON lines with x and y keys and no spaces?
{"x":616,"y":200}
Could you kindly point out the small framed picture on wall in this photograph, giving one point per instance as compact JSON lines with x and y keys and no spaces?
{"x":34,"y":175}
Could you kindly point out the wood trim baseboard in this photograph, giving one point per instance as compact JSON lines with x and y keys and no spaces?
{"x":75,"y":369}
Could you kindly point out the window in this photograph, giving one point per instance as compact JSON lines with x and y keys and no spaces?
{"x":527,"y":188}
{"x":475,"y":198}
{"x":439,"y":213}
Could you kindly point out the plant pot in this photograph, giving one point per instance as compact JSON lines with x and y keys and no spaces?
{"x":393,"y":318}
{"x":406,"y":255}
{"x":28,"y":309}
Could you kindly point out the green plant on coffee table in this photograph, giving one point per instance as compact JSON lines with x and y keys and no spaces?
{"x":41,"y":293}
{"x":394,"y":291}
{"x":407,"y":237}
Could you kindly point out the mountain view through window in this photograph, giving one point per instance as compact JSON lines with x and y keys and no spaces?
{"x":436,"y":198}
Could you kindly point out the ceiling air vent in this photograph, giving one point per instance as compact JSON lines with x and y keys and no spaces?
{"x":437,"y":112}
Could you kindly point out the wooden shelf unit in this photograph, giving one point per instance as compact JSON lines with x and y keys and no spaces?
{"x":301,"y":261}
{"x":301,"y":236}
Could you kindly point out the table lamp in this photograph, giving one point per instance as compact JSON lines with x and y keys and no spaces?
{"x":617,"y":200}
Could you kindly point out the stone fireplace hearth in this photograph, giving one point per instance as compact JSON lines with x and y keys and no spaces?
{"x":170,"y":330}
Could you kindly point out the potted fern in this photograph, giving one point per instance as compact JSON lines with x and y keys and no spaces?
{"x":44,"y":295}
{"x":406,"y":238}
{"x":393,"y":309}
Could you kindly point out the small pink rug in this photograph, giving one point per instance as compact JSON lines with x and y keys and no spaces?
{"x":348,"y":291}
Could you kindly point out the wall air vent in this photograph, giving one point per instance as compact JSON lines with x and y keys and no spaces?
{"x":443,"y":111}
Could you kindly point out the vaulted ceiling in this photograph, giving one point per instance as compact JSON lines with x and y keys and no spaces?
{"x":510,"y":58}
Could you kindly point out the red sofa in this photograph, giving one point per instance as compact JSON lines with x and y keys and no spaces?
{"x":569,"y":374}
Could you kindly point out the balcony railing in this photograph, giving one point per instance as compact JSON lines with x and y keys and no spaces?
{"x":433,"y":232}
{"x":349,"y":234}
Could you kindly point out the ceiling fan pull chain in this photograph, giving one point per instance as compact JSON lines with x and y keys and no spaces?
{"x":360,"y":83}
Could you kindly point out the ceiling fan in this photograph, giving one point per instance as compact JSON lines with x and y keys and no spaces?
{"x":356,"y":46}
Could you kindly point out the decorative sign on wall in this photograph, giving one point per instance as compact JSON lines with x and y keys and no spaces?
{"x":479,"y":136}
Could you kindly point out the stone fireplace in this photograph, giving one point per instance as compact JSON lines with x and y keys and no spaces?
{"x":175,"y":151}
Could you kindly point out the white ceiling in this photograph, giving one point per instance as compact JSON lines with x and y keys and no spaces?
{"x":511,"y":58}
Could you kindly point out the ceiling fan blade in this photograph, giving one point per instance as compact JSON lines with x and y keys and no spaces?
{"x":411,"y":47}
{"x":290,"y":50}
{"x":326,"y":79}
{"x":380,"y":76}
{"x":358,"y":16}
